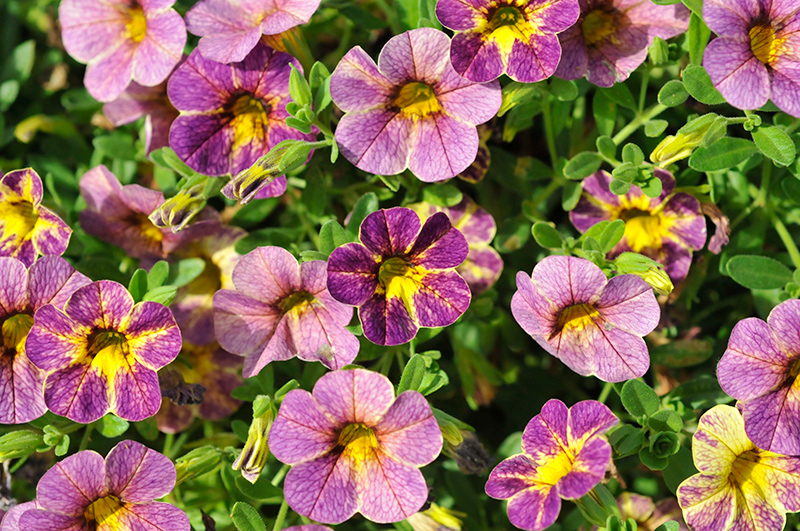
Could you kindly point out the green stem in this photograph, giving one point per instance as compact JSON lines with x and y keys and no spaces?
{"x":550,"y":133}
{"x":179,"y":444}
{"x":281,"y":516}
{"x":766,"y":176}
{"x":643,"y":89}
{"x":544,"y":193}
{"x":279,"y":476}
{"x":783,"y":232}
{"x":85,"y":438}
{"x":637,"y":122}
{"x":169,"y":440}
{"x":607,"y":387}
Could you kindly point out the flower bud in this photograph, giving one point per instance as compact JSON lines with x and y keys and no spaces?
{"x":20,"y":443}
{"x":659,"y":52}
{"x":254,"y":456}
{"x":649,"y":270}
{"x":435,"y":519}
{"x":664,"y":444}
{"x":470,"y":455}
{"x":197,"y":462}
{"x":177,"y":211}
{"x":284,"y":157}
{"x":677,"y":147}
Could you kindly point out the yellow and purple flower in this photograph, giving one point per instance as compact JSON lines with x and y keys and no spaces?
{"x":230,"y":29}
{"x":152,"y":103}
{"x":755,"y":57}
{"x":354,"y":447}
{"x":102,"y":353}
{"x":592,"y":324}
{"x":27,"y":229}
{"x":740,"y":487}
{"x":281,"y":309}
{"x":564,"y":455}
{"x":50,"y":280}
{"x":760,"y":369}
{"x":611,"y":38}
{"x":139,"y":40}
{"x":411,"y":110}
{"x":87,"y":492}
{"x":402,"y":275}
{"x":483,"y":265}
{"x":513,"y":37}
{"x":667,"y":228}
{"x":230,"y":115}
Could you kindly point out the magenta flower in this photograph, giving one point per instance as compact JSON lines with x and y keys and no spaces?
{"x":27,"y":229}
{"x":10,"y":520}
{"x":402,"y":275}
{"x":483,"y":265}
{"x":592,"y":324}
{"x":411,"y":110}
{"x":102,"y":353}
{"x":50,"y":280}
{"x":755,"y":57}
{"x":232,"y":114}
{"x":760,"y":369}
{"x":564,"y":455}
{"x":139,"y":40}
{"x":513,"y":37}
{"x":152,"y":103}
{"x":230,"y":29}
{"x":85,"y":492}
{"x":281,"y":309}
{"x":666,"y":228}
{"x":354,"y":447}
{"x":611,"y":38}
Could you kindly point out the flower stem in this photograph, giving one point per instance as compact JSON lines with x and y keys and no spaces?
{"x":643,"y":89}
{"x":281,"y":516}
{"x":783,"y":232}
{"x":550,"y":133}
{"x":279,"y":476}
{"x":85,"y":439}
{"x":637,"y":122}
{"x":607,"y":387}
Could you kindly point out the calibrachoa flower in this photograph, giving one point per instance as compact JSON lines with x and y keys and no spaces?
{"x":755,"y":57}
{"x":402,"y":275}
{"x":354,"y":447}
{"x":28,"y":229}
{"x":86,"y":492}
{"x":138,"y":40}
{"x":102,"y":353}
{"x":611,"y":38}
{"x":649,"y":516}
{"x":232,"y":114}
{"x":10,"y":520}
{"x":740,"y":487}
{"x":150,"y":102}
{"x":513,"y":37}
{"x":592,"y":324}
{"x":411,"y":110}
{"x":231,"y":28}
{"x":483,"y":265}
{"x":564,"y":455}
{"x":666,"y":228}
{"x":281,"y":309}
{"x":50,"y":280}
{"x":760,"y":369}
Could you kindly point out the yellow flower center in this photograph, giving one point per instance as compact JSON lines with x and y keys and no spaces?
{"x":250,"y":120}
{"x":506,"y":25}
{"x":104,"y":513}
{"x":597,"y":26}
{"x":417,"y":100}
{"x":577,"y":317}
{"x":744,"y":466}
{"x":297,"y":301}
{"x":18,"y":219}
{"x":764,"y":43}
{"x":15,"y":330}
{"x":391,"y":269}
{"x":644,"y":229}
{"x":137,"y":26}
{"x":146,"y":228}
{"x":108,"y":351}
{"x":357,"y":441}
{"x":208,"y":282}
{"x":555,"y":468}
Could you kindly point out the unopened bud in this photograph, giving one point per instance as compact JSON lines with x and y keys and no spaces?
{"x":20,"y":443}
{"x":659,"y":52}
{"x":197,"y":462}
{"x":436,"y":518}
{"x":254,"y":456}
{"x":177,"y":211}
{"x":470,"y":455}
{"x":648,"y":269}
{"x":285,"y":156}
{"x":677,"y":147}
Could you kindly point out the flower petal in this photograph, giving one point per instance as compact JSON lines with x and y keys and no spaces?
{"x":534,"y":508}
{"x":355,"y":396}
{"x":72,"y":484}
{"x":154,"y":516}
{"x":200,"y":85}
{"x":390,"y":232}
{"x":566,"y":280}
{"x":510,"y":477}
{"x":301,"y":432}
{"x":152,"y":334}
{"x":55,"y":341}
{"x":588,"y":469}
{"x":79,"y":392}
{"x":103,"y":304}
{"x":740,"y":77}
{"x":534,"y":60}
{"x":323,"y":489}
{"x":108,"y":77}
{"x":50,"y":234}
{"x":408,"y":432}
{"x":390,"y":491}
{"x":443,"y":148}
{"x":137,"y":474}
{"x":708,"y":502}
{"x":39,"y":519}
{"x":357,"y":84}
{"x":317,"y":336}
{"x":136,"y":394}
{"x":439,"y":245}
{"x":21,"y":389}
{"x":160,"y":50}
{"x":352,"y":274}
{"x":376,"y":141}
{"x":418,"y":55}
{"x":228,"y":30}
{"x":720,"y":438}
{"x":587,"y":419}
{"x":53,"y":281}
{"x":243,"y":324}
{"x":628,"y":303}
{"x":441,"y":298}
{"x":475,"y":58}
{"x":268,"y":274}
{"x":387,"y":321}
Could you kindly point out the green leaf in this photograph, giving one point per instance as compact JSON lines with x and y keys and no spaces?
{"x":722,"y":154}
{"x":246,"y":518}
{"x":117,"y":145}
{"x":513,"y":234}
{"x":546,"y":235}
{"x":791,"y":187}
{"x":516,"y":93}
{"x":185,"y":271}
{"x":639,"y":399}
{"x":665,"y":420}
{"x":672,"y":94}
{"x":606,"y":147}
{"x":682,"y":353}
{"x":700,"y":87}
{"x":19,"y":64}
{"x":299,"y":89}
{"x":605,"y":113}
{"x":670,"y":525}
{"x":137,"y":287}
{"x":702,"y":392}
{"x":652,"y":461}
{"x":413,"y":373}
{"x":697,"y":36}
{"x":158,"y":274}
{"x":679,"y":468}
{"x":655,"y":128}
{"x":366,"y":204}
{"x":162,"y":295}
{"x":262,"y":489}
{"x":619,"y":187}
{"x":620,"y":94}
{"x":611,"y":235}
{"x":331,"y":236}
{"x":758,"y":272}
{"x":570,"y":195}
{"x":633,"y":154}
{"x":445,"y":195}
{"x":111,"y":426}
{"x":62,"y":447}
{"x":626,"y":440}
{"x":582,"y":165}
{"x":319,"y":80}
{"x":562,"y":89}
{"x":775,"y":144}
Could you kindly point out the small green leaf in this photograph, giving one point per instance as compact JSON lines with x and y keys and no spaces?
{"x":758,"y":272}
{"x":655,"y":128}
{"x":665,"y":420}
{"x":611,"y":235}
{"x":633,"y":154}
{"x":246,"y":518}
{"x":62,"y":447}
{"x":775,"y":144}
{"x":366,"y":204}
{"x":697,"y":36}
{"x":621,"y":95}
{"x":547,"y":236}
{"x":413,"y":374}
{"x":605,"y":113}
{"x":639,"y":399}
{"x":670,"y":525}
{"x":162,"y":295}
{"x":111,"y":426}
{"x":570,"y":195}
{"x":516,"y":93}
{"x":672,"y":94}
{"x":331,"y":236}
{"x":722,"y":154}
{"x":791,"y":187}
{"x":582,"y":165}
{"x":700,"y":87}
{"x":682,"y":353}
{"x":185,"y":271}
{"x":138,"y":285}
{"x":445,"y":195}
{"x":651,"y":460}
{"x":158,"y":274}
{"x":606,"y":147}
{"x":562,"y":89}
{"x":299,"y":88}
{"x":619,"y":187}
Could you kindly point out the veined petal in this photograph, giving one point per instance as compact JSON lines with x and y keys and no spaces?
{"x":318,"y":337}
{"x":13,"y":286}
{"x":511,"y":476}
{"x":376,"y":140}
{"x":720,"y":438}
{"x":534,"y":508}
{"x":154,"y":516}
{"x":534,"y":60}
{"x":53,"y":281}
{"x":103,"y":304}
{"x":323,"y":489}
{"x":200,"y":85}
{"x":387,"y":321}
{"x":440,"y":299}
{"x":708,"y":502}
{"x":587,"y":419}
{"x":152,"y":334}
{"x":418,"y":55}
{"x":390,"y":232}
{"x":408,"y":432}
{"x":772,"y":421}
{"x":617,"y":355}
{"x":352,"y":274}
{"x":439,"y":245}
{"x":535,"y":314}
{"x":228,"y":31}
{"x":462,"y":15}
{"x":357,"y":84}
{"x":301,"y":432}
{"x":443,"y":148}
{"x":137,"y":474}
{"x":476,"y":59}
{"x":50,"y":234}
{"x":784,"y":321}
{"x":40,"y":519}
{"x":566,"y":281}
{"x":108,"y":77}
{"x":79,"y":392}
{"x":481,"y":269}
{"x":588,"y":469}
{"x":628,"y":303}
{"x":21,"y":389}
{"x":268,"y":274}
{"x":72,"y":484}
{"x":55,"y":341}
{"x":389,"y":490}
{"x":243,"y":324}
{"x":161,"y":49}
{"x":135,"y":391}
{"x":740,"y":77}
{"x":546,"y":435}
{"x":356,"y":396}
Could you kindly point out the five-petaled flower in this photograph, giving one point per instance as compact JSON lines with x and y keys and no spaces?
{"x":138,"y":40}
{"x":592,"y":324}
{"x":760,"y":369}
{"x":86,"y":492}
{"x":402,"y":275}
{"x":102,"y":353}
{"x":50,"y":280}
{"x":564,"y":455}
{"x":28,"y":229}
{"x":515,"y":37}
{"x":740,"y":487}
{"x":666,"y":228}
{"x":281,"y":309}
{"x":611,"y":38}
{"x":411,"y":110}
{"x":755,"y":57}
{"x":354,"y":447}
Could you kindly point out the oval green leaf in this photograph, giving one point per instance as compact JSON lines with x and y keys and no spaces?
{"x":758,"y":272}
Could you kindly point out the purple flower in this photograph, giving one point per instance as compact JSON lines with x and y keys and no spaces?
{"x":84,"y":492}
{"x":513,"y":37}
{"x":611,"y":38}
{"x":402,"y":275}
{"x":564,"y":455}
{"x":102,"y":353}
{"x":755,"y":57}
{"x":760,"y":369}
{"x":232,"y":114}
{"x":150,"y":102}
{"x":740,"y":487}
{"x":592,"y":324}
{"x":230,"y":29}
{"x":28,"y":229}
{"x":354,"y":447}
{"x":483,"y":265}
{"x":10,"y":520}
{"x":666,"y":228}
{"x":281,"y":309}
{"x":140,"y":40}
{"x":50,"y":280}
{"x":411,"y":110}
